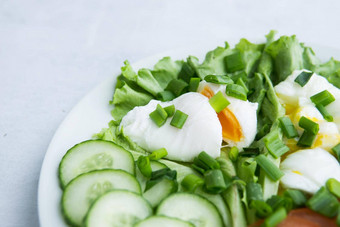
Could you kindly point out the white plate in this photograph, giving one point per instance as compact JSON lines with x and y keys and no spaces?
{"x":89,"y":116}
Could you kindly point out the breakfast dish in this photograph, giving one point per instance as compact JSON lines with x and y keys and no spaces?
{"x":249,"y":136}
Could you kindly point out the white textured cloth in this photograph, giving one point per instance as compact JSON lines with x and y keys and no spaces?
{"x":53,"y":52}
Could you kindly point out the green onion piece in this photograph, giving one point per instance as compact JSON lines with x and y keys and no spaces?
{"x":157,"y":176}
{"x":159,"y":116}
{"x":324,"y":113}
{"x":179,"y":119}
{"x":144,"y":166}
{"x":306,"y":139}
{"x":249,"y":152}
{"x":303,"y":78}
{"x":262,"y":209}
{"x":158,"y":154}
{"x":273,"y":172}
{"x":334,"y":187}
{"x":324,"y":203}
{"x":324,"y":98}
{"x":298,"y":197}
{"x":274,"y":145}
{"x":288,"y":128}
{"x":309,"y":125}
{"x":218,"y":102}
{"x":214,"y":181}
{"x":191,"y":182}
{"x":233,"y":154}
{"x":236,"y":91}
{"x":170,"y":110}
{"x":193,"y":84}
{"x":198,"y":168}
{"x":234,"y":62}
{"x":274,"y":219}
{"x":186,"y":72}
{"x":165,"y":96}
{"x":208,"y":161}
{"x":254,"y":191}
{"x":336,"y":151}
{"x":218,"y":79}
{"x":177,"y":86}
{"x":278,"y":201}
{"x":241,"y":83}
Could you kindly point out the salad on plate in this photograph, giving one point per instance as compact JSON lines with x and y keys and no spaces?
{"x":247,"y":137}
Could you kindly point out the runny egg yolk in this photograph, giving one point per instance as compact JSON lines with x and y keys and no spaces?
{"x":231,"y":128}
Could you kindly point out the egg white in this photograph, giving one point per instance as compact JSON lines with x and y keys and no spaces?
{"x":309,"y":169}
{"x":202,"y":130}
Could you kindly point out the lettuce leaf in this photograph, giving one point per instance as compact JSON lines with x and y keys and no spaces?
{"x":330,"y":70}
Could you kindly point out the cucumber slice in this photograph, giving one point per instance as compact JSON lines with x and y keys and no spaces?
{"x":156,"y":221}
{"x":92,"y":155}
{"x":160,"y":191}
{"x":118,"y":208}
{"x":192,"y":208}
{"x":82,"y":191}
{"x":221,"y":206}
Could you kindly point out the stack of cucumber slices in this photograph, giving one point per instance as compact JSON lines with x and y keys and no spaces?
{"x":102,"y":187}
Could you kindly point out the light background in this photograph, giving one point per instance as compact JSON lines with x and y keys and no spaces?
{"x":54,"y":52}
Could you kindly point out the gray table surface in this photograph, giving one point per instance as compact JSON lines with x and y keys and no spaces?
{"x":53,"y":52}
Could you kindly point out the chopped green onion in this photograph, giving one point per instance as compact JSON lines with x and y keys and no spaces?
{"x":298,"y":197}
{"x":324,"y":203}
{"x":177,"y":86}
{"x":214,"y":181}
{"x":157,"y":176}
{"x":158,"y":154}
{"x":144,"y":166}
{"x":170,"y":110}
{"x":303,"y":78}
{"x":274,"y":145}
{"x":241,"y":83}
{"x":278,"y":201}
{"x":288,"y":128}
{"x":159,"y":116}
{"x":272,"y":171}
{"x":324,"y":98}
{"x":275,"y":218}
{"x":234,"y":62}
{"x":309,"y":125}
{"x":198,"y":168}
{"x":186,"y":72}
{"x":336,"y":151}
{"x":165,"y":172}
{"x":193,"y":84}
{"x":261,"y":208}
{"x":254,"y":191}
{"x":165,"y":96}
{"x":249,"y":152}
{"x":236,"y":91}
{"x":334,"y":187}
{"x":218,"y":102}
{"x":306,"y":139}
{"x":218,"y":79}
{"x":324,"y":113}
{"x":178,"y":119}
{"x":208,"y":161}
{"x":233,"y":154}
{"x":191,"y":182}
